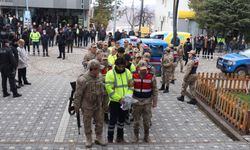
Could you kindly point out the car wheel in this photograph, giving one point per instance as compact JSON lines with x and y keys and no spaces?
{"x":242,"y":71}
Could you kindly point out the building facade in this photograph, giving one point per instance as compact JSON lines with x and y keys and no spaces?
{"x":164,"y":17}
{"x":54,"y":11}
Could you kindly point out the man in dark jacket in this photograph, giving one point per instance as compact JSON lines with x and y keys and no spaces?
{"x":92,"y":35}
{"x":187,"y":48}
{"x":45,"y":43}
{"x":51,"y":34}
{"x":85,"y":37}
{"x":8,"y":65}
{"x":70,"y":39}
{"x":118,"y":35}
{"x":26,"y":38}
{"x":80,"y":36}
{"x":61,"y":41}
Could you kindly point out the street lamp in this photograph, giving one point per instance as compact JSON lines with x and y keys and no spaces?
{"x":175,"y":13}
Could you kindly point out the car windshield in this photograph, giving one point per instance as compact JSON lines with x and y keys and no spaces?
{"x":245,"y":53}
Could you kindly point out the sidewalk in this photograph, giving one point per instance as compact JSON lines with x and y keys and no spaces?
{"x":39,"y":119}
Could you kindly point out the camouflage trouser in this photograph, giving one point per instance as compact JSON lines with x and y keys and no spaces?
{"x":167,"y":74}
{"x":145,"y":112}
{"x":173,"y":71}
{"x":189,"y":81}
{"x":180,"y":60}
{"x":87,"y":121}
{"x":162,"y":75}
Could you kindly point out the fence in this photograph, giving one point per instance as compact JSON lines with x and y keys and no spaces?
{"x":214,"y":90}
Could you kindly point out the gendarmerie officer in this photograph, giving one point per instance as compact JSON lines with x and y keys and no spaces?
{"x":8,"y":67}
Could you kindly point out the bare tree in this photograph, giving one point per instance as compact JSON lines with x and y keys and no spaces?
{"x":133,"y":16}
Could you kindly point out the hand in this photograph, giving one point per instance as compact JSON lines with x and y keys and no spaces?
{"x":154,"y":105}
{"x":76,"y":109}
{"x":121,"y":101}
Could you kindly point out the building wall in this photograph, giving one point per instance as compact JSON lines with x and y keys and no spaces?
{"x":164,"y":8}
{"x":65,"y":4}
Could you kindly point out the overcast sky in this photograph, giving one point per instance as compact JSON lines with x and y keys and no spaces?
{"x":138,"y":2}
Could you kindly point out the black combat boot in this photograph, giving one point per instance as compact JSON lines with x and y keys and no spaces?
{"x":172,"y":81}
{"x":166,"y":89}
{"x":162,"y":87}
{"x":192,"y":101}
{"x":181,"y":98}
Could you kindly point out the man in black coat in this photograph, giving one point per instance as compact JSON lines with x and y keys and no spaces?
{"x":187,"y":48}
{"x":70,"y":39}
{"x":26,"y":38}
{"x":118,"y":35}
{"x":85,"y":37}
{"x":8,"y":65}
{"x":61,"y":41}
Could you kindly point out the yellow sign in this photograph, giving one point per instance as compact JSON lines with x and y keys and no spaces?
{"x":186,"y":14}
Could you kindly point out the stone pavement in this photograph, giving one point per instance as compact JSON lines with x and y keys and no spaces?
{"x":39,"y":119}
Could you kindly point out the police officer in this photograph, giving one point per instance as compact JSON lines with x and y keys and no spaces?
{"x":8,"y":67}
{"x":118,"y":83}
{"x":90,"y":55}
{"x":70,"y":39}
{"x":167,"y":66}
{"x":89,"y":98}
{"x":145,"y":91}
{"x":180,"y":54}
{"x":190,"y":77}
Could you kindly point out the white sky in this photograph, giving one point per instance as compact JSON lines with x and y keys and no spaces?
{"x":138,"y":2}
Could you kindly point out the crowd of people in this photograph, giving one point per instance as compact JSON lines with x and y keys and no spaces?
{"x":117,"y":73}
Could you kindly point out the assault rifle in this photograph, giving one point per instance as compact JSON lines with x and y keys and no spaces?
{"x":71,"y":108}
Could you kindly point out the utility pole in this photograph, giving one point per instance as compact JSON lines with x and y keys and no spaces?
{"x":27,"y":4}
{"x":115,"y":16}
{"x":175,"y":14}
{"x":142,"y":3}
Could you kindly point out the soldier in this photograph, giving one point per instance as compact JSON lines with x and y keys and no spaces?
{"x":175,"y":57}
{"x":118,"y":82}
{"x":90,"y":55}
{"x":105,"y":48}
{"x":136,"y":59}
{"x":145,"y":91}
{"x":180,"y":54}
{"x":99,"y":55}
{"x":89,"y":98}
{"x":167,"y":65}
{"x":147,"y":58}
{"x":190,"y":78}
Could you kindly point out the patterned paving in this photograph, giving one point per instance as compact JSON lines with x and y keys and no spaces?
{"x":38,"y":120}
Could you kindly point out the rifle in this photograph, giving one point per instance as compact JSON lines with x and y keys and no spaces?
{"x":71,"y":108}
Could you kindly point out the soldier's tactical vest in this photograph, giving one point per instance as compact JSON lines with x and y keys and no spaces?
{"x":94,"y":91}
{"x":105,"y":70}
{"x":142,"y":87}
{"x":195,"y":66}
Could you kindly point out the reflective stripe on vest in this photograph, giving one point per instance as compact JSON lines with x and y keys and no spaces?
{"x":142,"y":87}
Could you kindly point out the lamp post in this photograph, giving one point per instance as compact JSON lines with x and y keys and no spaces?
{"x":175,"y":14}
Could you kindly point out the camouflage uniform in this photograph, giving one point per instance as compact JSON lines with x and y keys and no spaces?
{"x":89,"y":97}
{"x":142,"y":108}
{"x":190,"y":78}
{"x":89,"y":56}
{"x":167,"y":69}
{"x":175,"y":57}
{"x":180,"y":54}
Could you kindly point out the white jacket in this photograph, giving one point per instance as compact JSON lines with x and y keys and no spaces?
{"x":22,"y":58}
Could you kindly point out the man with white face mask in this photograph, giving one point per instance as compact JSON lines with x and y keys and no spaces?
{"x":45,"y":43}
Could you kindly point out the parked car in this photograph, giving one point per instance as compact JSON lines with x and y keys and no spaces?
{"x":235,"y":63}
{"x":167,"y":36}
